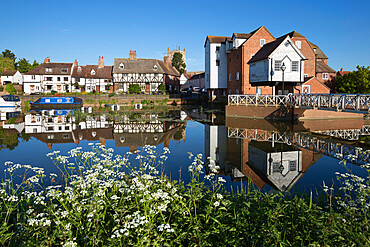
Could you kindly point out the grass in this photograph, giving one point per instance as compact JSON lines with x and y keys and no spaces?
{"x":101,"y":199}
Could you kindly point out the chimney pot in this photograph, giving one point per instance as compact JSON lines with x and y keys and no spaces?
{"x":165,"y":59}
{"x":6,"y":69}
{"x":341,"y":69}
{"x":75,"y":63}
{"x":47,"y":60}
{"x":132,"y":55}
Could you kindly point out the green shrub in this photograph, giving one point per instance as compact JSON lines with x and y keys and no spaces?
{"x":110,"y":202}
{"x":10,"y":89}
{"x":161,"y":88}
{"x":1,"y":88}
{"x":134,"y":88}
{"x":53,"y":92}
{"x":111,"y":95}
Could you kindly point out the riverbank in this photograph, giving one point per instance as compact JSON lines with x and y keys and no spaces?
{"x":113,"y":202}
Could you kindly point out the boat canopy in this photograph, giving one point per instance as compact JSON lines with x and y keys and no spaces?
{"x":10,"y":97}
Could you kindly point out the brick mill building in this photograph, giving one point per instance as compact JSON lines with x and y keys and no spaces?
{"x":227,"y":70}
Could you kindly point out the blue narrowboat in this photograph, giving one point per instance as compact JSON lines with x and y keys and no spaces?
{"x":57,"y":103}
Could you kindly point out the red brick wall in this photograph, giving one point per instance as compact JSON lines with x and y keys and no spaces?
{"x":234,"y":64}
{"x":330,"y":82}
{"x":307,"y":51}
{"x":251,"y":47}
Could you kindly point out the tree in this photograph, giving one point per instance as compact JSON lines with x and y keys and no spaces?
{"x":10,"y":89}
{"x":24,"y":66}
{"x":357,"y":81}
{"x":35,"y":64}
{"x":178,"y":62}
{"x":6,"y":62}
{"x":7,"y":53}
{"x":134,"y":88}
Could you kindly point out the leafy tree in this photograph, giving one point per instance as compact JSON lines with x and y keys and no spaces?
{"x":178,"y":62}
{"x":24,"y":66}
{"x":134,"y":88}
{"x":35,"y":64}
{"x":161,"y":88}
{"x":7,"y":53}
{"x":8,"y":141}
{"x":357,"y":81}
{"x":6,"y":62}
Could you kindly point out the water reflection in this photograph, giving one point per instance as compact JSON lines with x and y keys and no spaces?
{"x":270,"y":154}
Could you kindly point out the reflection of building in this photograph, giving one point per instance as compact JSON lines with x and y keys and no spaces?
{"x":215,"y":143}
{"x":147,"y":129}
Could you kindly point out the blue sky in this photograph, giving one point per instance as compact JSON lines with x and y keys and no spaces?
{"x":84,"y":30}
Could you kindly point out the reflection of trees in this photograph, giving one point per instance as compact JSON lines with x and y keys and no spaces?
{"x":179,"y":134}
{"x":8,"y":141}
{"x":25,"y":137}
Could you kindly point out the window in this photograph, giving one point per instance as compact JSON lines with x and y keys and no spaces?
{"x":292,"y":165}
{"x":121,"y":66}
{"x":217,"y":62}
{"x":298,"y":44}
{"x":50,"y":137}
{"x":217,"y":48}
{"x":33,"y":77}
{"x":79,"y":69}
{"x":58,"y":78}
{"x":48,"y":78}
{"x":276,"y":167}
{"x":48,"y":87}
{"x":262,"y":42}
{"x":48,"y":70}
{"x":50,"y":120}
{"x":60,"y":127}
{"x":252,"y":55}
{"x":50,"y":128}
{"x":259,"y":91}
{"x":294,"y":65}
{"x":65,"y":78}
{"x":64,"y":70}
{"x":287,"y":43}
{"x":65,"y":136}
{"x":66,"y":127}
{"x":237,"y":75}
{"x":229,"y":77}
{"x":325,"y":76}
{"x":305,"y":75}
{"x":155,"y":67}
{"x":277,"y":65}
{"x":93,"y":72}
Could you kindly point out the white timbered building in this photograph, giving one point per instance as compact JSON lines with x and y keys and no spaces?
{"x":148,"y":73}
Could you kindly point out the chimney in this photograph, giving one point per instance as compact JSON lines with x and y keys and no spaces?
{"x":184,"y":49}
{"x":6,"y":69}
{"x":341,"y":69}
{"x":165,"y":59}
{"x":47,"y":60}
{"x":75,"y":63}
{"x":101,"y":62}
{"x":132,"y":55}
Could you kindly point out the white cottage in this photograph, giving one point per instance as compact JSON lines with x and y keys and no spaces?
{"x":278,"y":63}
{"x":92,"y":78}
{"x":11,"y":76}
{"x":48,"y":77}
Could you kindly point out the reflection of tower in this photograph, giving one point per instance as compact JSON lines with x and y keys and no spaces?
{"x":171,"y":53}
{"x":215,"y":144}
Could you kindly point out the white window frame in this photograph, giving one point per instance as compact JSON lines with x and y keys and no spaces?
{"x":277,"y":65}
{"x":262,"y":42}
{"x":325,"y":76}
{"x":298,"y":43}
{"x":237,"y":76}
{"x":295,"y":66}
{"x":48,"y":70}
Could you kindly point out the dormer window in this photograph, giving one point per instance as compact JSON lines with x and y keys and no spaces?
{"x":79,"y":69}
{"x":121,"y":66}
{"x":298,"y":44}
{"x":64,"y":70}
{"x":287,"y":43}
{"x":93,"y":72}
{"x":48,"y":70}
{"x":262,"y":42}
{"x":155,"y":67}
{"x":314,"y":49}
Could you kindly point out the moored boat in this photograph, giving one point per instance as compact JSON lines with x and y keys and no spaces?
{"x":9,"y":101}
{"x":57,"y":103}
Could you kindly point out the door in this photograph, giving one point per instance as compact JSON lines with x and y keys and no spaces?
{"x":147,"y":87}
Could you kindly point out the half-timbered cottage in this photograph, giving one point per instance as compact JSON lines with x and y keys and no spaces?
{"x":148,"y":73}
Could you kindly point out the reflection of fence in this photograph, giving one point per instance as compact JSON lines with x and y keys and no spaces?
{"x":339,"y":102}
{"x":348,"y":134}
{"x":324,"y":146}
